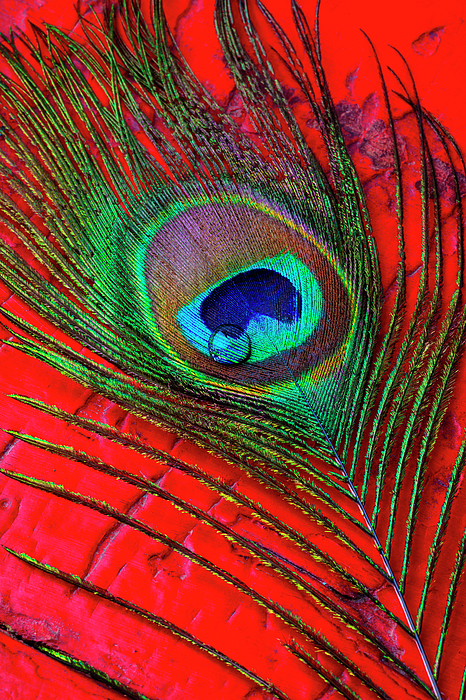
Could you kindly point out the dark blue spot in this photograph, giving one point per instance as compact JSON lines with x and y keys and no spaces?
{"x":257,"y":292}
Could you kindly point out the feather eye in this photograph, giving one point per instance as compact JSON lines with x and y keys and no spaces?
{"x":229,"y":282}
{"x":238,"y":295}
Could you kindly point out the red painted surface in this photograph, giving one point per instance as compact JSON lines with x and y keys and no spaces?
{"x":432,"y":37}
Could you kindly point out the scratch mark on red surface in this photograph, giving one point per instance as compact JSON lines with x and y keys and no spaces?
{"x":428,"y":42}
{"x":108,"y":538}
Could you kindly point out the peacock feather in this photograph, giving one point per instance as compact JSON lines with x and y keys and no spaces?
{"x":214,"y":277}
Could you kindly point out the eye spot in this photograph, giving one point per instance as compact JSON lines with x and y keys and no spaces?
{"x":230,"y":344}
{"x":250,"y":301}
{"x":4,"y":503}
{"x":256,"y":292}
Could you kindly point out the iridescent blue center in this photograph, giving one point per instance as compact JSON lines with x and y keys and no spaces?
{"x":271,"y":306}
{"x":235,"y":302}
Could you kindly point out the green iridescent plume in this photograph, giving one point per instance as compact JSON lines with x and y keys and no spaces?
{"x":230,"y":282}
{"x":248,"y":279}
